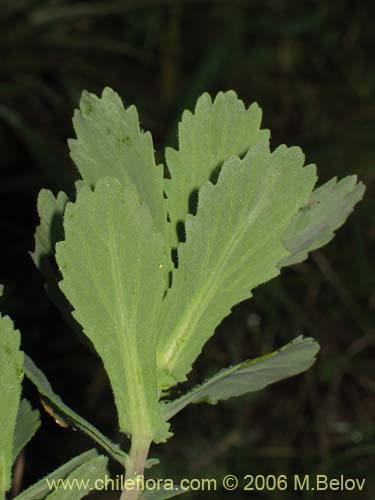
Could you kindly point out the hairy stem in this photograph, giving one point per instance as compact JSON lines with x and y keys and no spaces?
{"x":135,"y":468}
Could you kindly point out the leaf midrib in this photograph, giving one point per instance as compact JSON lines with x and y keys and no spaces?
{"x":129,"y":356}
{"x":120,"y":337}
{"x":171,"y":354}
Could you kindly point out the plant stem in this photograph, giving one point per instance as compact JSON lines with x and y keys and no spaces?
{"x":135,"y":466}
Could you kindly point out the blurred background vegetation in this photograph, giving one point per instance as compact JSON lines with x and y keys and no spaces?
{"x":310,"y":67}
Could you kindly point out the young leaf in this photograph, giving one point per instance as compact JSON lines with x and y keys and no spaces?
{"x":66,"y":415}
{"x":251,"y":375}
{"x":11,"y":374}
{"x":27,"y":423}
{"x":110,"y":144}
{"x":39,"y":490}
{"x":81,"y":481}
{"x":207,"y":138}
{"x":115,"y":269}
{"x":316,"y":222}
{"x":233,"y":244}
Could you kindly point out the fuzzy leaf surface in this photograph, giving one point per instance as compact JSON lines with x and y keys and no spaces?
{"x":40,"y":490}
{"x":115,"y":269}
{"x":316,"y":222}
{"x":209,"y":136}
{"x":233,"y":244}
{"x":62,"y":413}
{"x":81,"y":480}
{"x":251,"y":375}
{"x":27,"y":423}
{"x":11,"y":375}
{"x":110,"y":143}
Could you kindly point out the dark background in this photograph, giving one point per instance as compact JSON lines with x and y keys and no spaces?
{"x":310,"y":67}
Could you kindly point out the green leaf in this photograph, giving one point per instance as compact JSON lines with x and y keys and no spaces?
{"x":39,"y":490}
{"x":81,"y":481}
{"x":163,"y":494}
{"x":11,"y":375}
{"x":316,"y":222}
{"x":115,"y":270}
{"x":233,"y":244}
{"x":50,"y":229}
{"x":110,"y":144}
{"x":27,"y":424}
{"x":216,"y":130}
{"x":66,"y":415}
{"x":48,"y":233}
{"x":251,"y":375}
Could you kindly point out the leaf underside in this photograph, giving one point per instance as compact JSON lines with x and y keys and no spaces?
{"x":110,"y":143}
{"x":316,"y":222}
{"x":115,"y":268}
{"x":251,"y":375}
{"x":215,"y":131}
{"x":255,"y":213}
{"x":233,"y":244}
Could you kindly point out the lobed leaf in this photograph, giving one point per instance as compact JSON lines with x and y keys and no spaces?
{"x":115,"y":270}
{"x":11,"y":375}
{"x":27,"y":423}
{"x":251,"y":375}
{"x":110,"y":144}
{"x":50,"y":230}
{"x":233,"y":244}
{"x":215,"y":131}
{"x":65,"y":415}
{"x":316,"y":222}
{"x":48,"y":233}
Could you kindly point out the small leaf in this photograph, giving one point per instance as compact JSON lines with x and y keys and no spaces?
{"x":63,"y":413}
{"x":217,"y":130}
{"x":251,"y":375}
{"x":110,"y":144}
{"x":115,"y":270}
{"x":47,"y":234}
{"x":39,"y":490}
{"x":81,"y":481}
{"x":316,"y":222}
{"x":27,"y":424}
{"x":50,"y":229}
{"x":11,"y":375}
{"x":233,"y":244}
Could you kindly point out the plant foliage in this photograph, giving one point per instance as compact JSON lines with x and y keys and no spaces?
{"x":146,"y":261}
